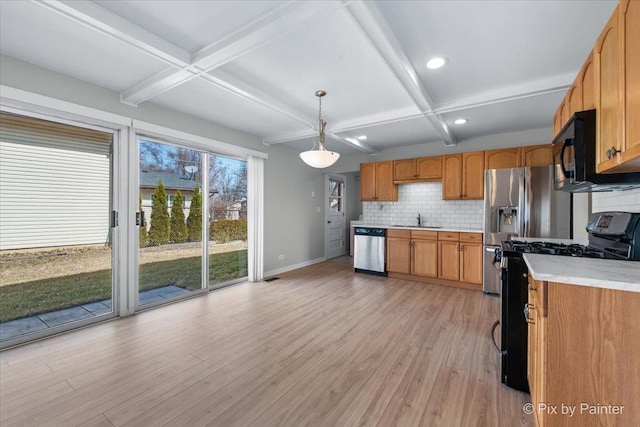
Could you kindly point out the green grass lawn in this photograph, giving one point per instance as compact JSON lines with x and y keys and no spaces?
{"x":41,"y":296}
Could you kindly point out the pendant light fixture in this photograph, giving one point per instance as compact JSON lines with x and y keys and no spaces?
{"x":319,"y":157}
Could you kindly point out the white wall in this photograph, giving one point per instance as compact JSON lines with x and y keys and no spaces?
{"x":425,"y":198}
{"x":292,"y":226}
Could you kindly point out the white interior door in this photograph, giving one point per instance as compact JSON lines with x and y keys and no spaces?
{"x":335,"y":226}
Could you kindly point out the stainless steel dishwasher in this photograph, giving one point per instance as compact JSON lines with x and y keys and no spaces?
{"x":369,"y":250}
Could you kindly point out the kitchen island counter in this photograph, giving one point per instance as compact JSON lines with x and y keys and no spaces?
{"x":592,"y":272}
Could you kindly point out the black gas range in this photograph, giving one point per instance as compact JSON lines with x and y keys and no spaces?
{"x":612,"y":235}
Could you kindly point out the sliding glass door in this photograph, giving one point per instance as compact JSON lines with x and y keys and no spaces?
{"x":170,"y":224}
{"x":56,"y":227}
{"x":227,"y":220}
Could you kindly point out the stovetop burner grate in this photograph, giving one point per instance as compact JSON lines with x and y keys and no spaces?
{"x":548,"y":248}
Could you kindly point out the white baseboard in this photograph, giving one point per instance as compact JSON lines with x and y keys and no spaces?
{"x":293,"y":267}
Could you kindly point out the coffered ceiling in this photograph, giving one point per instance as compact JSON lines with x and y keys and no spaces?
{"x":255,"y":65}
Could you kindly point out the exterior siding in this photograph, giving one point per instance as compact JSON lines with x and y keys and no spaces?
{"x":54,"y":185}
{"x":147,"y":205}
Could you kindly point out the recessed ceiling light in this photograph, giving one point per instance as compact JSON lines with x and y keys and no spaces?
{"x":460,"y":121}
{"x":362,"y":137}
{"x":436,"y":62}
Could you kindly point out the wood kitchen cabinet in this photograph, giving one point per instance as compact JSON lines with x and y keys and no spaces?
{"x":574,"y":99}
{"x":536,"y":330}
{"x":463,"y":176}
{"x":557,"y":120}
{"x":399,"y":251}
{"x":412,"y":252}
{"x":583,"y":349}
{"x":609,"y":82}
{"x":452,"y":177}
{"x":586,"y":84}
{"x":617,"y":69}
{"x":424,"y":255}
{"x":473,"y":175}
{"x":376,"y":182}
{"x":471,"y":258}
{"x":449,"y":260}
{"x":417,"y":170}
{"x":460,"y":257}
{"x":436,"y":257}
{"x":608,"y":60}
{"x":537,"y":155}
{"x":503,"y":158}
{"x":630,"y":153}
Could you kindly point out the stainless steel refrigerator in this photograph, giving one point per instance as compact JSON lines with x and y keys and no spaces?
{"x":520,"y":202}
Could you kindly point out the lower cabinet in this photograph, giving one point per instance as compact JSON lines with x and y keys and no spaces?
{"x":424,"y":256}
{"x":470,"y":262}
{"x":435,"y":257}
{"x":460,"y":257}
{"x":399,"y":251}
{"x":583,"y":365}
{"x":449,"y":261}
{"x":412,"y":252}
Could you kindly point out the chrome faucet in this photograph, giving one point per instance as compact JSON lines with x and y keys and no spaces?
{"x":419,"y":219}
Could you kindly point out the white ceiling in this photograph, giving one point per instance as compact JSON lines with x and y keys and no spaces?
{"x":255,"y":65}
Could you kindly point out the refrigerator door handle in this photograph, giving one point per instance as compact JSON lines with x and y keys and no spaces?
{"x":524,"y":203}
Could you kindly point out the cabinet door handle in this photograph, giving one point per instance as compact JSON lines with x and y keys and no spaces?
{"x":612,"y":152}
{"x":526,"y":312}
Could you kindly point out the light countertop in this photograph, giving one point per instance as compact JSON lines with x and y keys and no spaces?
{"x":426,"y":228}
{"x":599,"y":273}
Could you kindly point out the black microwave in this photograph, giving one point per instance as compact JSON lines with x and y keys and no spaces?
{"x":574,"y":159}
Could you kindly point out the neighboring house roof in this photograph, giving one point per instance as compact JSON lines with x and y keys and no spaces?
{"x":170,"y":180}
{"x":234,"y":206}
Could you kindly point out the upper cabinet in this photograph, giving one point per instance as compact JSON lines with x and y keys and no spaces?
{"x":609,"y":82}
{"x":473,"y":175}
{"x":586,"y":85}
{"x":630,"y":17}
{"x":574,"y":99}
{"x":608,"y":59}
{"x":537,"y":155}
{"x":452,"y":177}
{"x":463,"y":176}
{"x":376,"y":182}
{"x":416,"y":170}
{"x":503,"y":158}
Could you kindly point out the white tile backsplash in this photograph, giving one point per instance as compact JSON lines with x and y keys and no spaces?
{"x":424,"y":198}
{"x":627,"y":201}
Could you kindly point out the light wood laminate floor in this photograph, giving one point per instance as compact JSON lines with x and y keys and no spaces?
{"x":321,"y":346}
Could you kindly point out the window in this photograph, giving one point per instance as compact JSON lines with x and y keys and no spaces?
{"x":336,"y":193}
{"x":170,"y":201}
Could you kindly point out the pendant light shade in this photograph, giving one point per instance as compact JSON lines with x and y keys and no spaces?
{"x":319,"y":157}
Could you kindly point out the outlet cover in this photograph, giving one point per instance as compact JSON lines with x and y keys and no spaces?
{"x":281,"y":257}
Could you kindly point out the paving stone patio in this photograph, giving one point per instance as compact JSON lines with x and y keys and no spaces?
{"x":27,"y":325}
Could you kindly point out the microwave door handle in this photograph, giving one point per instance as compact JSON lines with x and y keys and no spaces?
{"x":565,"y":172}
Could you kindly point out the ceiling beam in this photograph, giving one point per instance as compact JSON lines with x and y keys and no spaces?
{"x":512,"y":93}
{"x":375,"y":29}
{"x":530,"y":89}
{"x":100,"y":19}
{"x":275,"y":23}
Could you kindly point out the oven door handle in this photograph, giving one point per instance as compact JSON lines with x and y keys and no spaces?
{"x":493,"y":335}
